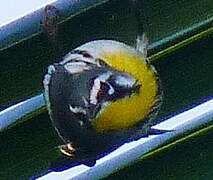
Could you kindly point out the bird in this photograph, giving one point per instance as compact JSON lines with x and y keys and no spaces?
{"x":100,"y":95}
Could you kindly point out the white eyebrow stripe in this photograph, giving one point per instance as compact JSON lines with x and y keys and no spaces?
{"x":89,"y":60}
{"x":76,"y":63}
{"x":76,"y":67}
{"x":77,"y":109}
{"x":79,"y":57}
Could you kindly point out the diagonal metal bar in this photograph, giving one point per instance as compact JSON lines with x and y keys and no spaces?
{"x":20,"y":110}
{"x":130,"y":152}
{"x":18,"y":24}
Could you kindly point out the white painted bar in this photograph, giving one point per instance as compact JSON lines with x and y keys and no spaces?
{"x":13,"y":113}
{"x":22,"y":19}
{"x":130,"y":152}
{"x":11,"y":10}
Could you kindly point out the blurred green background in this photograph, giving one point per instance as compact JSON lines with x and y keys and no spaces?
{"x":186,"y":75}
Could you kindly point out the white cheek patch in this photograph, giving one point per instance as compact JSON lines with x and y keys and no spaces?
{"x":77,"y":110}
{"x":76,"y":67}
{"x":125,"y":81}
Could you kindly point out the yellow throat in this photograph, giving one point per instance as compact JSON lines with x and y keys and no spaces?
{"x":128,"y":111}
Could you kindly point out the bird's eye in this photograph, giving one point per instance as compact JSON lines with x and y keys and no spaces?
{"x":102,"y":63}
